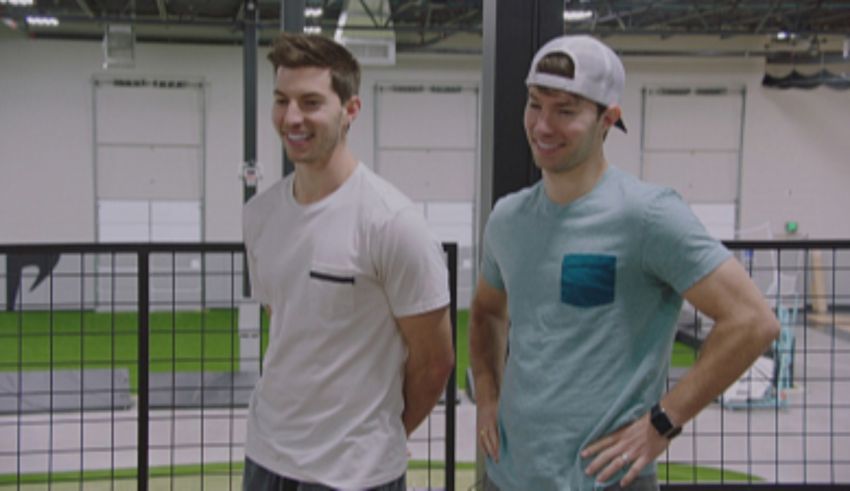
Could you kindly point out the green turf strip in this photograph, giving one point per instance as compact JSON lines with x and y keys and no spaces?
{"x":674,"y":472}
{"x":180,"y":341}
{"x":66,"y":340}
{"x":684,"y":356}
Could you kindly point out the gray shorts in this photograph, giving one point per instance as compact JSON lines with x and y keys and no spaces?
{"x":642,"y":483}
{"x":258,"y":478}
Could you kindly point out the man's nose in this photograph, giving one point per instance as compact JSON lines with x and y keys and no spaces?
{"x":541,"y":123}
{"x":292,"y":114}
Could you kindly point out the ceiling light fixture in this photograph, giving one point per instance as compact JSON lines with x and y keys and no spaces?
{"x":577,"y":15}
{"x":786,"y":36}
{"x":312,"y":29}
{"x":18,"y":3}
{"x":40,"y":21}
{"x":313,"y":12}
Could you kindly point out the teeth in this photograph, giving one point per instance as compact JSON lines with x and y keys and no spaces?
{"x":297,"y":137}
{"x":546,"y":146}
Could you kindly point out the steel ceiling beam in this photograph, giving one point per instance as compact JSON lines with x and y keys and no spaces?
{"x":160,"y":7}
{"x":84,"y":6}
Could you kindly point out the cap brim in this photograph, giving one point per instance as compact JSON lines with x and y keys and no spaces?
{"x":620,"y":124}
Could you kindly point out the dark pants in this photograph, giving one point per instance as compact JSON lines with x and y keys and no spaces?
{"x":257,"y":478}
{"x":642,"y":483}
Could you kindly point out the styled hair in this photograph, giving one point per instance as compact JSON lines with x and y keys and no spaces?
{"x":291,"y":50}
{"x":561,"y":64}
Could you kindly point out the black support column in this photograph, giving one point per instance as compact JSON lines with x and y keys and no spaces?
{"x":249,"y":92}
{"x":513,"y":31}
{"x":249,"y":111}
{"x":520,"y":29}
{"x":291,"y":20}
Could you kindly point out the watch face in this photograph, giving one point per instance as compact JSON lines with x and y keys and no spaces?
{"x":660,"y":421}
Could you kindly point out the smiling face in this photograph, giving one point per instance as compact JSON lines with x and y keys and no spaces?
{"x":564,"y":130}
{"x":309,"y":116}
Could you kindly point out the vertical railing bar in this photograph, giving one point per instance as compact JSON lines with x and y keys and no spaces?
{"x":832,"y":370}
{"x":750,"y":254}
{"x":749,"y":409}
{"x":20,"y":323}
{"x":51,"y":365}
{"x":112,"y":363}
{"x":451,"y":390}
{"x":82,"y":367}
{"x":776,"y":415}
{"x":203,"y":364}
{"x":143,"y":267}
{"x":429,"y":461}
{"x":806,"y":266}
{"x":233,"y":331}
{"x":173,"y":407}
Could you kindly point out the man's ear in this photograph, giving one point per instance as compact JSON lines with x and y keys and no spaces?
{"x":612,"y":115}
{"x":352,"y":108}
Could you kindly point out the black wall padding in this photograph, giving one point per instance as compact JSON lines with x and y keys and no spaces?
{"x":796,"y":80}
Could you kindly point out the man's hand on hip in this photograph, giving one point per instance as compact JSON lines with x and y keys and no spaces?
{"x":633,"y":446}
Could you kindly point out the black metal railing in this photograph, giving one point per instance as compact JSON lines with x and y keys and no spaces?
{"x":112,"y":340}
{"x":788,"y":425}
{"x":101,"y":325}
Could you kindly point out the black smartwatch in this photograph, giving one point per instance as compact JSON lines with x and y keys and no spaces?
{"x":662,"y":423}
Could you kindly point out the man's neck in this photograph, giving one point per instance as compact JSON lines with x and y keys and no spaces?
{"x":565,"y":187}
{"x":313,"y":182}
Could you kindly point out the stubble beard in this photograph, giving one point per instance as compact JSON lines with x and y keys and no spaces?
{"x":325,"y":146}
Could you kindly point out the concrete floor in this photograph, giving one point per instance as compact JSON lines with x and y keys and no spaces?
{"x":809,"y":441}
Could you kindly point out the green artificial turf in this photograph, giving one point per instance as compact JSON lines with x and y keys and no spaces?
{"x":181,"y":341}
{"x":673,"y":472}
{"x":66,"y":340}
{"x":684,"y":356}
{"x":679,"y":473}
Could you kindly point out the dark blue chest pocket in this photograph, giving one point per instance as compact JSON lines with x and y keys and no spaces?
{"x":587,"y":280}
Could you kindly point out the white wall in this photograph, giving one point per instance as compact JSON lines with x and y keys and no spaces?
{"x":46,"y":163}
{"x":795,"y":154}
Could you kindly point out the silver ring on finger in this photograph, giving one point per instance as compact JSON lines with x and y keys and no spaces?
{"x":625,"y":458}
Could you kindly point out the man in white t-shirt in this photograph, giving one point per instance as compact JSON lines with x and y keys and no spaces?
{"x":360,"y":344}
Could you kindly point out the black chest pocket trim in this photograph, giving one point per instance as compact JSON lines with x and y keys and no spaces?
{"x":331,"y":277}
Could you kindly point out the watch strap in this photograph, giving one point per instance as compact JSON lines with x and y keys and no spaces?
{"x":662,"y":424}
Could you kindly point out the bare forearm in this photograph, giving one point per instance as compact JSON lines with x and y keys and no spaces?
{"x":728,"y":351}
{"x":488,"y":346}
{"x":422,"y":390}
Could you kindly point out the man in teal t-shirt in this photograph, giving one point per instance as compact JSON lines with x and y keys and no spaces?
{"x":589,"y":267}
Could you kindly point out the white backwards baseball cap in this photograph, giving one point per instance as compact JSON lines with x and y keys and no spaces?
{"x":599,"y":74}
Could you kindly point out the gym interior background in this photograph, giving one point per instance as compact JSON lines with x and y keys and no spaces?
{"x":124,"y":124}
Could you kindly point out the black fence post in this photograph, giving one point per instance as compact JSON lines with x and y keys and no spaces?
{"x":142,"y":371}
{"x":451,"y":389}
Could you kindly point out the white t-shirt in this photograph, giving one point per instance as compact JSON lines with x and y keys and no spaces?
{"x":336,"y":274}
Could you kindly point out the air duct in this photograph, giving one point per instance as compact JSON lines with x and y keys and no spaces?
{"x":119,"y":42}
{"x":365,"y":27}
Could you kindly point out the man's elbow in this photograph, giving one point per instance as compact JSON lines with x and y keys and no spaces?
{"x":765,"y":327}
{"x":442,"y":368}
{"x":439,"y":370}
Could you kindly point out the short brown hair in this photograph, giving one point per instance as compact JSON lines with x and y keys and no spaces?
{"x":293,"y":50}
{"x":562,"y":65}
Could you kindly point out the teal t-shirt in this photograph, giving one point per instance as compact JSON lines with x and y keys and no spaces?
{"x":594,"y":292}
